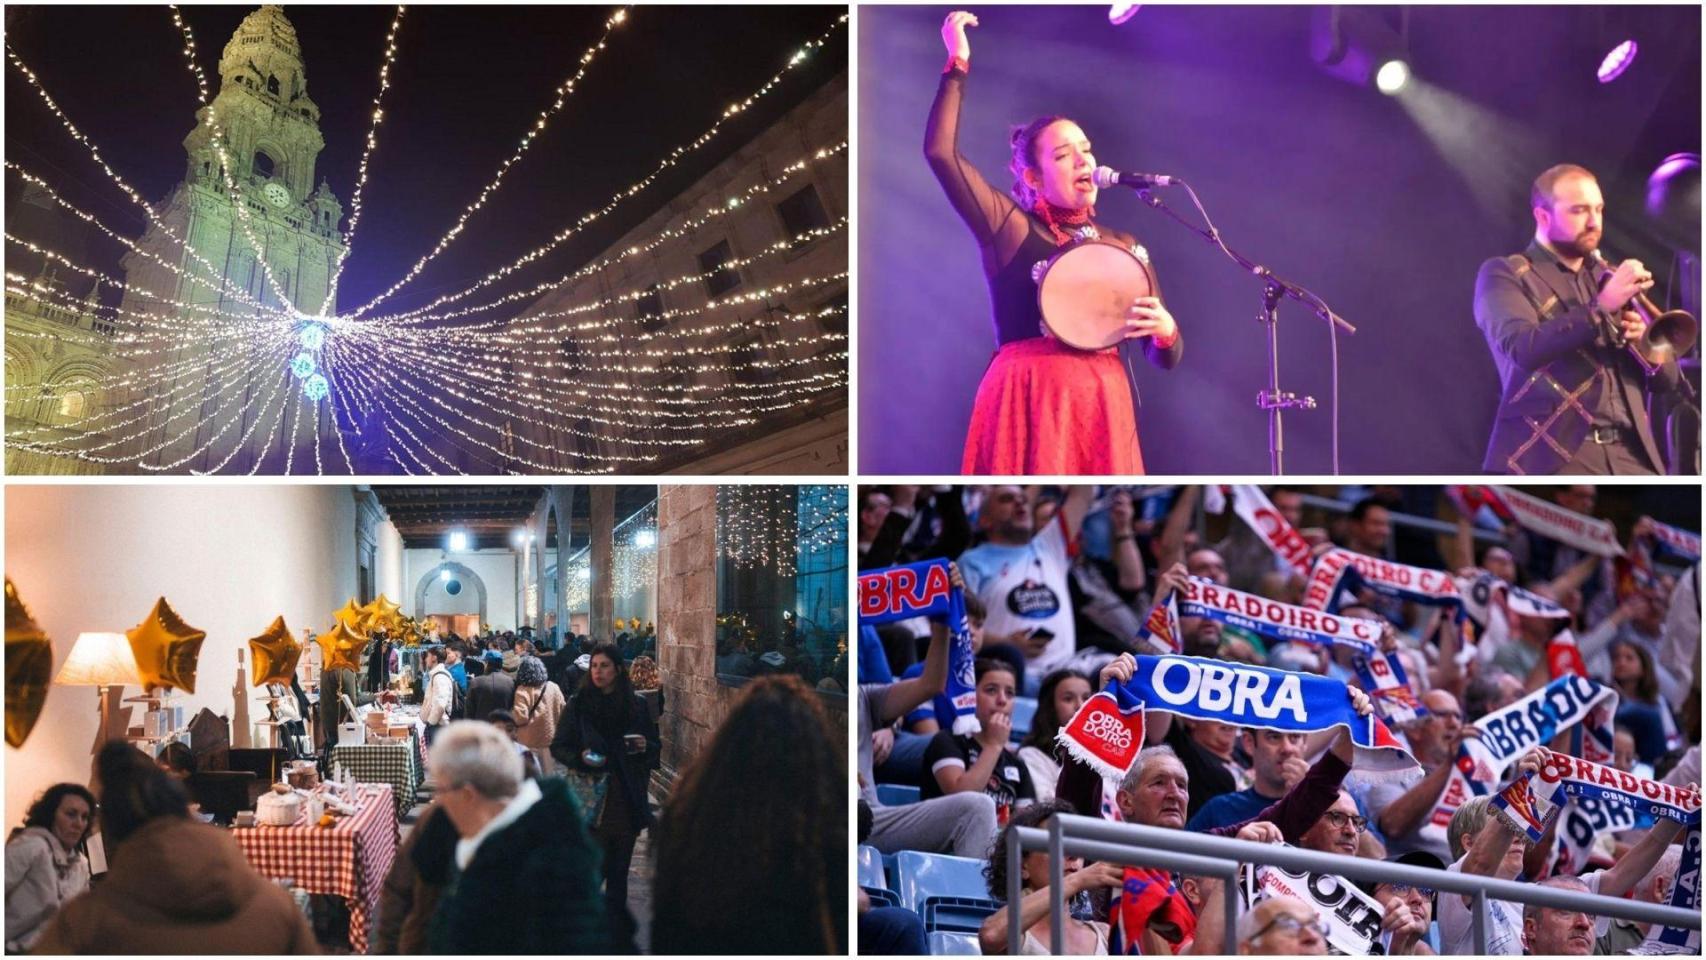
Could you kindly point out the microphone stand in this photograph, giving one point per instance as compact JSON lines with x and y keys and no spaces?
{"x":1273,"y":399}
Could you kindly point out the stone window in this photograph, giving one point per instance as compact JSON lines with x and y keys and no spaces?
{"x":722,"y":278}
{"x":263,"y":166}
{"x":803,"y":211}
{"x":272,"y":85}
{"x":72,"y":404}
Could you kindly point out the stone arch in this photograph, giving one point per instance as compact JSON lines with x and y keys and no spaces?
{"x":460,"y":572}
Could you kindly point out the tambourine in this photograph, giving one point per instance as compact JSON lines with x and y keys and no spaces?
{"x":1086,"y":290}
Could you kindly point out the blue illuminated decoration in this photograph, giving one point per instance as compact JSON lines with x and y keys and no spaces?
{"x":312,"y":337}
{"x":316,"y":388}
{"x":302,"y":366}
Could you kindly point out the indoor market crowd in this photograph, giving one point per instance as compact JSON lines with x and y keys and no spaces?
{"x":1066,"y":588}
{"x":540,"y":764}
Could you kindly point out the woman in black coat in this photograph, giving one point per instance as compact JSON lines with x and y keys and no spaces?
{"x":606,"y":726}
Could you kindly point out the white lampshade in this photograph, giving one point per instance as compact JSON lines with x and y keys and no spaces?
{"x":99,"y":659}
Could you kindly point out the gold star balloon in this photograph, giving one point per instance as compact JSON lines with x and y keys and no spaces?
{"x":29,"y":665}
{"x":385,"y":612}
{"x":274,"y":654}
{"x":341,"y":647}
{"x":355,"y":617}
{"x":166,"y":649}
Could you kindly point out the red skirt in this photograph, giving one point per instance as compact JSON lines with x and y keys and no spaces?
{"x":1045,"y":408}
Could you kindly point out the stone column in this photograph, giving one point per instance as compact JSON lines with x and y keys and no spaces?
{"x":687,"y":622}
{"x":563,"y":502}
{"x":602,"y":527}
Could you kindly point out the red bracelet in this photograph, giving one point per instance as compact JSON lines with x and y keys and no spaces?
{"x":1167,"y":343}
{"x":957,"y":63}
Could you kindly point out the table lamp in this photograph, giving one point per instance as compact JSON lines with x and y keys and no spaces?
{"x":102,"y":660}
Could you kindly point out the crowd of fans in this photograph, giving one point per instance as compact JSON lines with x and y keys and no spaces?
{"x":520,"y":851}
{"x":1058,"y":583}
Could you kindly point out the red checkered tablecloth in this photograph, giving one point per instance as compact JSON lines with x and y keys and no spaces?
{"x":348,"y":859}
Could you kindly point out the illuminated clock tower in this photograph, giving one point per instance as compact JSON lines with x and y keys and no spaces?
{"x":222,"y":388}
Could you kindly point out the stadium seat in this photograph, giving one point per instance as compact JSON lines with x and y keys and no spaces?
{"x":945,"y":944}
{"x":871,"y":873}
{"x":896,"y":795}
{"x":1024,"y":710}
{"x":948,"y":893}
{"x":957,"y":914}
{"x":880,"y":897}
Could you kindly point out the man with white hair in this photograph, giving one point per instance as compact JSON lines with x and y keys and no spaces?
{"x":1485,"y":845}
{"x":1624,"y":935}
{"x":1281,"y":927}
{"x":520,"y":840}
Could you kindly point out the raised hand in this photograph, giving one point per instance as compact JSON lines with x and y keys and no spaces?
{"x":954,"y":33}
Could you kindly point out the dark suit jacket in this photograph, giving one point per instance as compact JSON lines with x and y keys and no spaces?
{"x":1553,"y":367}
{"x":494,"y":691}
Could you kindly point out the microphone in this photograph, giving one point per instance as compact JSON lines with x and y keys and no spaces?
{"x":1106,"y":177}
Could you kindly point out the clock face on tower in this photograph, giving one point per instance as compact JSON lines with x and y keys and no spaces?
{"x":276,"y":194}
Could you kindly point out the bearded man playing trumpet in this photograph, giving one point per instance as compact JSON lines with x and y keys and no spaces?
{"x":1574,"y":357}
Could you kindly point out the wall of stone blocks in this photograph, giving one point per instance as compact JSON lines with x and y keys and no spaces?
{"x":695,"y":704}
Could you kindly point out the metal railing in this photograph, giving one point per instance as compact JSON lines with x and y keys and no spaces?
{"x":1200,"y":854}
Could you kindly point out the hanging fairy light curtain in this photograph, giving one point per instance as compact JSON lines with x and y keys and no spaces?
{"x":634,"y":561}
{"x":757,"y":527}
{"x":635,"y":564}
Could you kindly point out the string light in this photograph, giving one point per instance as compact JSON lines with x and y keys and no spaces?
{"x":94,"y":152}
{"x":675,"y":156}
{"x":615,"y":20}
{"x":448,"y":380}
{"x":367,"y":149}
{"x":225,"y":166}
{"x":225,"y":286}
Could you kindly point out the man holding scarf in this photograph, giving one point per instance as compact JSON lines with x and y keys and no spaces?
{"x":1403,"y":809}
{"x":1154,"y":793}
{"x":1487,"y":845}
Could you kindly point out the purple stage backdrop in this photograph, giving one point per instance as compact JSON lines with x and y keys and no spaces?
{"x":1384,"y":206}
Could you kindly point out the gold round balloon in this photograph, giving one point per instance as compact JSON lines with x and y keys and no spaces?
{"x":352,"y":615}
{"x":274,"y":653}
{"x":341,"y":647}
{"x":29,"y":667}
{"x":166,"y":649}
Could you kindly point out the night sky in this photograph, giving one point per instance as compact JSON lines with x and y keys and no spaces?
{"x":467,"y":83}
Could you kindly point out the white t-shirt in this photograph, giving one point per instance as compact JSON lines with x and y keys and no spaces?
{"x":1504,"y":922}
{"x":1024,"y":587}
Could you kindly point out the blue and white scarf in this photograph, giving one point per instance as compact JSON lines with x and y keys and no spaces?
{"x":926,"y":589}
{"x":1382,"y":674}
{"x":1677,"y":541}
{"x":1534,"y":799}
{"x":1107,"y":731}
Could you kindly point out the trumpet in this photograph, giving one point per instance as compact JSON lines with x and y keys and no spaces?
{"x":1670,"y":333}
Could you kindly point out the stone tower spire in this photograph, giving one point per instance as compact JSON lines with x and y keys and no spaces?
{"x":270,"y":127}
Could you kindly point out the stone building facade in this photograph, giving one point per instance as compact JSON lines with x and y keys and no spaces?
{"x":270,"y":130}
{"x":59,"y":350}
{"x":653,"y":298}
{"x":698,"y":701}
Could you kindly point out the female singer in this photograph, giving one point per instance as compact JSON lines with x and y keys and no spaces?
{"x":1043,"y":407}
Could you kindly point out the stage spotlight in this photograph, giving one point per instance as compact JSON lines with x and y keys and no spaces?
{"x":1392,"y":76}
{"x":1673,"y":201}
{"x":1122,"y":11}
{"x":646,"y":538}
{"x":458,"y":542}
{"x":1357,"y":45}
{"x":1618,"y":61}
